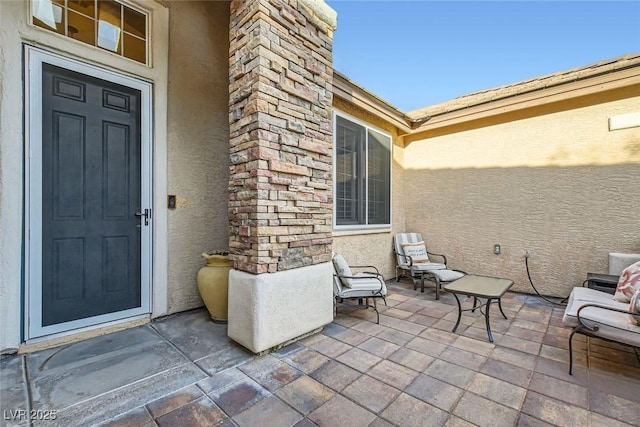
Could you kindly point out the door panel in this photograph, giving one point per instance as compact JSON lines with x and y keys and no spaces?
{"x":91,"y":188}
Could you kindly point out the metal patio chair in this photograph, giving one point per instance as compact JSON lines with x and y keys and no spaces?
{"x":415,"y":261}
{"x":359,"y":287}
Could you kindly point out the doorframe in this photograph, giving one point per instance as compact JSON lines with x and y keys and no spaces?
{"x":34,"y":58}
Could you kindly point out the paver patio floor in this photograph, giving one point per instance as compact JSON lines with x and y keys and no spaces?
{"x":410,"y":370}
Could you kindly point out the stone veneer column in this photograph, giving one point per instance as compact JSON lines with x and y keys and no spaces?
{"x":280,"y":189}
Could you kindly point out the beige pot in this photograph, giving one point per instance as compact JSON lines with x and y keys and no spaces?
{"x":213,"y":284}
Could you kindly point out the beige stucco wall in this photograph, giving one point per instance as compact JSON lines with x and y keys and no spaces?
{"x":15,"y":31}
{"x":198,"y":142}
{"x":374,"y":248}
{"x":557,"y":183}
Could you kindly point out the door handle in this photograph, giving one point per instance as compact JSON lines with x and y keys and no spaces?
{"x":146,"y":215}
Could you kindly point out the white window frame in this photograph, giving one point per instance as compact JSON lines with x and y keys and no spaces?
{"x":363,"y":228}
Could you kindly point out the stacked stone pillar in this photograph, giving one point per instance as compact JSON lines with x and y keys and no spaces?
{"x":280,"y":187}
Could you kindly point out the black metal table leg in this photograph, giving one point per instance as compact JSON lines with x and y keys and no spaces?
{"x":500,"y":306}
{"x":486,"y":317}
{"x":459,"y":313}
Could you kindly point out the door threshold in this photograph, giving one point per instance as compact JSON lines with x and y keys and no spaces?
{"x":81,"y":334}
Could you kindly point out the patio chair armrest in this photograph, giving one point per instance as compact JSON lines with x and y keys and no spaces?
{"x":444,"y":258}
{"x":594,"y":326}
{"x":368,"y":266}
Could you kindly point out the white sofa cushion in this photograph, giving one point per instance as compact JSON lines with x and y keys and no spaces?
{"x":619,"y":261}
{"x":612,"y":325}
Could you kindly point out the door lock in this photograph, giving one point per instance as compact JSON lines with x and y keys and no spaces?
{"x":146,"y":215}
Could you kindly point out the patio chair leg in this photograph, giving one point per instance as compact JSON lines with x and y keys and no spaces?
{"x":575,"y":331}
{"x":375,"y":307}
{"x":571,"y":351}
{"x":437,"y":287}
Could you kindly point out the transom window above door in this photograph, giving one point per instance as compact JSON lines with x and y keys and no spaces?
{"x":106,"y":24}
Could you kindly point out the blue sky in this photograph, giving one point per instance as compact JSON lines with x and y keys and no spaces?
{"x":418,"y":53}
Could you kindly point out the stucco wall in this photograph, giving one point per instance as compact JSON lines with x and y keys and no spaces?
{"x":198,"y":142}
{"x":14,"y":31}
{"x":375,"y":248}
{"x":558,"y":184}
{"x":11,"y":187}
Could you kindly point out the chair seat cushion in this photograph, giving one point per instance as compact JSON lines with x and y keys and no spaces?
{"x":424,"y":266}
{"x":364,"y":282}
{"x":612,"y":325}
{"x":366,"y":289}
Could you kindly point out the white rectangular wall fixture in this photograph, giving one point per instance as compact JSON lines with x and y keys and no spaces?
{"x":624,"y":121}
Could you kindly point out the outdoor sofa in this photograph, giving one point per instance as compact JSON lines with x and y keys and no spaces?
{"x":596,"y":313}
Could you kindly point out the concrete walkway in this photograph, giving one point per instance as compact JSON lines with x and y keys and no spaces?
{"x":410,"y":370}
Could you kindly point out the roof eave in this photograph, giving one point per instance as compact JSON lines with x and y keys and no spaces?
{"x":357,"y":95}
{"x":560,"y":92}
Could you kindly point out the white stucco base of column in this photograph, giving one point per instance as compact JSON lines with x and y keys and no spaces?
{"x":267,"y":310}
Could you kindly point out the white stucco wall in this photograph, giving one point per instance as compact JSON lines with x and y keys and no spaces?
{"x":14,"y":31}
{"x":198,"y":143}
{"x":267,"y":310}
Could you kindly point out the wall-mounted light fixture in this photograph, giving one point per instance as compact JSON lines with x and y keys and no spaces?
{"x":497,"y":249}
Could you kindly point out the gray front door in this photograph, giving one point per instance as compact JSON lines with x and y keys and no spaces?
{"x":91,"y":190}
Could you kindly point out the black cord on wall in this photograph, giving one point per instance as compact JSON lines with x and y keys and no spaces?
{"x":526,"y":263}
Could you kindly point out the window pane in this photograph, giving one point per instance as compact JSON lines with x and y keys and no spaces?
{"x":349,"y":173}
{"x":135,"y":23}
{"x":109,"y":11}
{"x":102,"y":23}
{"x":109,"y":25}
{"x":379,"y":182}
{"x":86,"y":7}
{"x":82,"y":28}
{"x":48,"y":15}
{"x":135,"y":49}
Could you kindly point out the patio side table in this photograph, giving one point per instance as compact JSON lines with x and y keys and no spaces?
{"x":479,"y":287}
